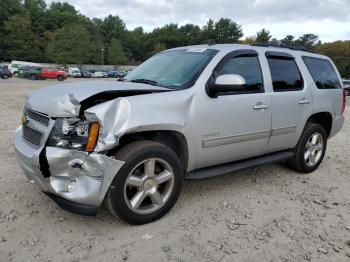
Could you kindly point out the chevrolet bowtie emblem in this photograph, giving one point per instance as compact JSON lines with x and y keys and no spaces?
{"x":25,"y":120}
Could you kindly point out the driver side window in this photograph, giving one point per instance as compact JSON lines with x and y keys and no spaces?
{"x":249,"y":68}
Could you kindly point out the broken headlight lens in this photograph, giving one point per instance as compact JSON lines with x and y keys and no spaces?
{"x":74,"y":133}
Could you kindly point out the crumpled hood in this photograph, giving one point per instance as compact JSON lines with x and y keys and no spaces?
{"x":64,"y":100}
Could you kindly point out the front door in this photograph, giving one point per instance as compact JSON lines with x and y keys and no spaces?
{"x":235,"y":125}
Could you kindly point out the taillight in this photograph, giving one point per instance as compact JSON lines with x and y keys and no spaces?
{"x":344,"y":101}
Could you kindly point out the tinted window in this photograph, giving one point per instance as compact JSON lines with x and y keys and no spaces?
{"x":285,"y":74}
{"x":248,"y":67}
{"x":322,"y":72}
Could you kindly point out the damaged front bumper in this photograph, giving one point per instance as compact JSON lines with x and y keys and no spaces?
{"x":75,"y":180}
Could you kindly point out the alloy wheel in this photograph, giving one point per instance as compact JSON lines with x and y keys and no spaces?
{"x":313,"y":149}
{"x":148,"y":186}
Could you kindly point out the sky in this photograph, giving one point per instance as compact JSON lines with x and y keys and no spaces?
{"x":329,"y":19}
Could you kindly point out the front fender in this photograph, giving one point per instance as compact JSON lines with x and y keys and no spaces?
{"x":150,"y":112}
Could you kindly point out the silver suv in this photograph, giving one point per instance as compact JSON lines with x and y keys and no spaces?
{"x":186,"y":113}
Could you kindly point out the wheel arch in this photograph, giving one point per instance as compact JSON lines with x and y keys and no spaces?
{"x":324,"y":119}
{"x":173,"y":139}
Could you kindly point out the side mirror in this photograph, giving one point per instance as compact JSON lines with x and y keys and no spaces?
{"x":227,"y":83}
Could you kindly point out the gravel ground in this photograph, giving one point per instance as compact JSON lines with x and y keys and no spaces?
{"x":264,"y":214}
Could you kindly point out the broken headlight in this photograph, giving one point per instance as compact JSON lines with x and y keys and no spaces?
{"x":74,"y":133}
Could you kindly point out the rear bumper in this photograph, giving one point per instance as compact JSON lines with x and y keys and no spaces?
{"x":337,"y":125}
{"x":75,"y":180}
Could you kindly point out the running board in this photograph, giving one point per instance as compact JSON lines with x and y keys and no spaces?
{"x":225,"y":169}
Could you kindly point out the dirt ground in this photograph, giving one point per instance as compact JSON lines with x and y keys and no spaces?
{"x":264,"y":214}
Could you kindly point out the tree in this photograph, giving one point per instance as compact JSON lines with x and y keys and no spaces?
{"x":263,"y":36}
{"x":248,"y":40}
{"x":339,"y":52}
{"x":136,"y":45}
{"x":21,"y":42}
{"x":274,"y":41}
{"x":62,"y":14}
{"x":37,"y":13}
{"x":227,"y":31}
{"x":169,"y":35}
{"x":308,"y":41}
{"x":71,"y":44}
{"x":191,"y":34}
{"x":116,"y":54}
{"x":288,"y":40}
{"x":208,"y":31}
{"x":113,"y":27}
{"x":7,"y":8}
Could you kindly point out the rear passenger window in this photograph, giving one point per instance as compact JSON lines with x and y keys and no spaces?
{"x":249,"y":68}
{"x":285,"y":74}
{"x":322,"y":72}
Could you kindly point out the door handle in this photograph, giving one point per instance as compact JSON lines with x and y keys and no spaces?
{"x":260,"y":106}
{"x":304,"y":101}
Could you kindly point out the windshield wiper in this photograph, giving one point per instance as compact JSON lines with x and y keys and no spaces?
{"x":145,"y":81}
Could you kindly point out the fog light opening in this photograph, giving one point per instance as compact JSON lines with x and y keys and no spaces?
{"x":71,"y":186}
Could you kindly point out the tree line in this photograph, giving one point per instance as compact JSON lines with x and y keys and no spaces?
{"x":34,"y":31}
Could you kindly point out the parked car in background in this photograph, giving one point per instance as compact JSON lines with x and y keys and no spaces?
{"x":5,"y":72}
{"x":25,"y":72}
{"x":74,"y":72}
{"x":346,"y":84}
{"x":36,"y":73}
{"x":14,"y":66}
{"x":116,"y":74}
{"x":99,"y":74}
{"x":85,"y":73}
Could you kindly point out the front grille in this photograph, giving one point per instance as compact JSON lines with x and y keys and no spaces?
{"x":32,"y":136}
{"x":38,"y":117}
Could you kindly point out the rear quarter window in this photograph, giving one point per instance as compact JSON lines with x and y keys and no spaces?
{"x":322,"y":72}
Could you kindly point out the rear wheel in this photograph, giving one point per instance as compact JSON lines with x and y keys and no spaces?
{"x":60,"y":78}
{"x":148,"y":184}
{"x":5,"y":76}
{"x":310,"y":150}
{"x":34,"y":77}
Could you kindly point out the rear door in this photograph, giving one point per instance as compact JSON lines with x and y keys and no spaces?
{"x":291,"y":100}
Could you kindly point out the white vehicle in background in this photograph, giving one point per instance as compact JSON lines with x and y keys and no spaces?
{"x":14,"y":66}
{"x":99,"y":74}
{"x":74,"y":72}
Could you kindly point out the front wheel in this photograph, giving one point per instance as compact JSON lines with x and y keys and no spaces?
{"x":60,"y":78}
{"x":5,"y":76}
{"x":148,"y":184}
{"x":310,"y":149}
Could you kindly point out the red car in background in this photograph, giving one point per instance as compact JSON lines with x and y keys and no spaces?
{"x":53,"y":74}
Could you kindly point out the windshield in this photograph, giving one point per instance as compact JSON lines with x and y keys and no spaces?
{"x":177,"y":69}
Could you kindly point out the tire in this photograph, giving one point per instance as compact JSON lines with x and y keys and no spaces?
{"x":34,"y":77}
{"x":137,"y":156}
{"x":301,"y":163}
{"x":5,"y":76}
{"x":60,"y":78}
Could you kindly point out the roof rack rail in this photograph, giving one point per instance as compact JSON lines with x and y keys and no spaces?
{"x":295,"y":48}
